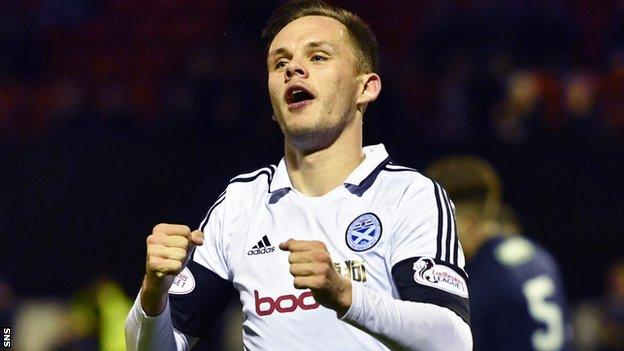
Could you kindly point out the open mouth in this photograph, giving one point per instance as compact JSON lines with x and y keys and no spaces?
{"x":298,"y":96}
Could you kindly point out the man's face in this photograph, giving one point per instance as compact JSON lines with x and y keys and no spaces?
{"x":313,"y":81}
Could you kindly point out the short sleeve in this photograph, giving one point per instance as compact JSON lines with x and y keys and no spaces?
{"x":201,"y":292}
{"x":425,"y":255}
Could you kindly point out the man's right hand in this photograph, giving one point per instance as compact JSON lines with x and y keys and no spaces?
{"x":168,"y":250}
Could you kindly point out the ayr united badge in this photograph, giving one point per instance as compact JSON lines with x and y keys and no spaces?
{"x":363,"y":232}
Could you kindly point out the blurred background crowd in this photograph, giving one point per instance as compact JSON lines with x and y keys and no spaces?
{"x":119,"y":114}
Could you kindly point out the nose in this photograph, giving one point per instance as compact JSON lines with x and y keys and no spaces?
{"x":294,"y":68}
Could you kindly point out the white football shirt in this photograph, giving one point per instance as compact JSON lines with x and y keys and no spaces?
{"x":388,"y":227}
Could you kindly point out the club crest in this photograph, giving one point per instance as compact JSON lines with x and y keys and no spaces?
{"x":363,"y":232}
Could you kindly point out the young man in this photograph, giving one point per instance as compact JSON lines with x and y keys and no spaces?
{"x":517,"y":298}
{"x":367,"y":255}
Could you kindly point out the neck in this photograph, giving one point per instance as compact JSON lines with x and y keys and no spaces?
{"x":478,"y":237}
{"x":315,"y":173}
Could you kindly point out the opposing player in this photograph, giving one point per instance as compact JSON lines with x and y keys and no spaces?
{"x":517,"y":298}
{"x":336,"y":248}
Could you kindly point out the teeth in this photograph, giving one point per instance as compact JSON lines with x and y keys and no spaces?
{"x":297,"y":95}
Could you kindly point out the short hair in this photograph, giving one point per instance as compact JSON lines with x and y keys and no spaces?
{"x":469,"y":180}
{"x":362,"y":37}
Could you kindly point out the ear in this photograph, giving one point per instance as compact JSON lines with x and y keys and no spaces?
{"x":370,"y":88}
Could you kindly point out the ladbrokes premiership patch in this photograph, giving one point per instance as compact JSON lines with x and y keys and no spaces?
{"x":427,"y":272}
{"x":183,"y":283}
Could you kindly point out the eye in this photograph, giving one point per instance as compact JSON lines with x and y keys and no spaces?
{"x":280,"y":64}
{"x":319,"y":58}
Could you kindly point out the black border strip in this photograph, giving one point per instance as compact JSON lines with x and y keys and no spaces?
{"x":449,"y":229}
{"x":402,"y":169}
{"x":205,"y":221}
{"x":456,"y":246}
{"x":367,"y":182}
{"x":268,"y":171}
{"x":439,"y":238}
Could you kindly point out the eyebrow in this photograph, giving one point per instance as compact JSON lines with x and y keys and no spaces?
{"x":312,"y":44}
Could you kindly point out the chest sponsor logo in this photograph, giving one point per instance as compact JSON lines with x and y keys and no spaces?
{"x":183,"y":283}
{"x":363,"y":232}
{"x":427,"y":272}
{"x":284,"y":304}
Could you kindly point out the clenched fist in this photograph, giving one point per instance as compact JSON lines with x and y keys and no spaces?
{"x":312,"y":268}
{"x":168,"y":250}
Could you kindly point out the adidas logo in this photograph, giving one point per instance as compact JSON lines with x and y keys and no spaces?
{"x":263,"y":246}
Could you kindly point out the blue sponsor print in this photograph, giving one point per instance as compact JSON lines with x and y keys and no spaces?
{"x":364,"y":232}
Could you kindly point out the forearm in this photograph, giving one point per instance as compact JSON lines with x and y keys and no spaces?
{"x":413,"y":325}
{"x":155,"y":333}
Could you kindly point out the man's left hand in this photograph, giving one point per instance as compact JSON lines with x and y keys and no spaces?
{"x":312,"y":267}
